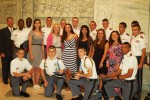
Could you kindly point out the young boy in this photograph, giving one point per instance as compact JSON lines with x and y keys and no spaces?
{"x":87,"y":76}
{"x":17,"y":67}
{"x":52,"y":65}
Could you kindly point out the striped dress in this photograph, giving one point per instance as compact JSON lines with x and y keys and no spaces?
{"x":69,"y":55}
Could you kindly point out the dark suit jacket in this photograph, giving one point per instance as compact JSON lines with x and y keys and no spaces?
{"x":5,"y":42}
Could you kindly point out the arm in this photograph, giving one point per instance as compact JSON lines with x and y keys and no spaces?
{"x":91,"y":50}
{"x":104,"y":55}
{"x":142,"y":58}
{"x":43,"y":50}
{"x":43,"y":76}
{"x":89,"y":74}
{"x":30,"y":46}
{"x":90,"y":44}
{"x":127,"y":75}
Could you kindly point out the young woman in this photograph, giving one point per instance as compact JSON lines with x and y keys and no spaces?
{"x":85,"y":40}
{"x":100,"y":50}
{"x":55,"y":39}
{"x":36,"y":51}
{"x":69,"y":54}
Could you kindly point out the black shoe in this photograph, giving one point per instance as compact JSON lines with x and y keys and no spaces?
{"x":117,"y":98}
{"x":59,"y":97}
{"x":24,"y":94}
{"x":80,"y":97}
{"x":6,"y":82}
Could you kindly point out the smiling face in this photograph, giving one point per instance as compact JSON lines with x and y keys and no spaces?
{"x":100,"y":34}
{"x":21,"y":24}
{"x":125,"y":48}
{"x":62,"y":23}
{"x":20,"y":54}
{"x":75,"y":22}
{"x":135,"y":30}
{"x":68,"y":28}
{"x":56,"y":29}
{"x":105,"y":24}
{"x":84,"y":31}
{"x":10,"y":22}
{"x":121,"y":28}
{"x":51,"y":52}
{"x":114,"y":36}
{"x":48,"y":21}
{"x":92,"y":25}
{"x":81,"y":53}
{"x":37,"y":24}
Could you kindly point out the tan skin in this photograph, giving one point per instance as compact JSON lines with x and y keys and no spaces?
{"x":51,"y":54}
{"x":27,"y":75}
{"x":114,"y":75}
{"x":75,"y":22}
{"x":62,"y":23}
{"x":84,"y":32}
{"x":121,"y":29}
{"x":81,"y":54}
{"x":10,"y":23}
{"x":136,"y":31}
{"x":105,"y":24}
{"x":48,"y":22}
{"x":92,"y":26}
{"x":36,"y":72}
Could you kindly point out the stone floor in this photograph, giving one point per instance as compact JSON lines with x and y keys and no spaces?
{"x":6,"y":92}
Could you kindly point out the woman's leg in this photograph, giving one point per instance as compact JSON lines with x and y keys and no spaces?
{"x":37,"y":75}
{"x":33,"y":76}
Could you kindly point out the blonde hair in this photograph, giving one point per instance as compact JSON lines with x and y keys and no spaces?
{"x":56,"y":24}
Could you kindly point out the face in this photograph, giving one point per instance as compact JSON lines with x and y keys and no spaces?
{"x":49,"y":21}
{"x":121,"y":28}
{"x":20,"y":54}
{"x":92,"y":25}
{"x":125,"y":48}
{"x":81,"y":53}
{"x":114,"y":36}
{"x":105,"y":24}
{"x":37,"y":24}
{"x":135,"y":30}
{"x":21,"y":24}
{"x":56,"y":29}
{"x":51,"y":53}
{"x":100,"y":34}
{"x":84,"y":31}
{"x":67,"y":28}
{"x":28,"y":22}
{"x":75,"y":22}
{"x":10,"y":22}
{"x":62,"y":23}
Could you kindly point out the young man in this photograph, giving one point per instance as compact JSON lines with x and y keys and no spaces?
{"x":19,"y":36}
{"x":28,"y":27}
{"x":93,"y":32}
{"x":87,"y":76}
{"x":108,"y":30}
{"x":62,"y":24}
{"x":46,"y":31}
{"x":125,"y":37}
{"x":52,"y":65}
{"x":6,"y":46}
{"x":75,"y":22}
{"x":138,"y":48}
{"x":18,"y":65}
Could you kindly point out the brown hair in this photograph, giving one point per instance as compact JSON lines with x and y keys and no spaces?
{"x":111,"y":40}
{"x":34,"y":23}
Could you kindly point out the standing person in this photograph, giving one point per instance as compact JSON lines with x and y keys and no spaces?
{"x":18,"y":74}
{"x":69,"y":54}
{"x":75,"y":22}
{"x":28,"y":27}
{"x":6,"y":46}
{"x":52,"y":65}
{"x":108,"y":30}
{"x":62,"y":25}
{"x":86,"y":76}
{"x":93,"y":31}
{"x":138,"y":48}
{"x":124,"y":77}
{"x":55,"y":39}
{"x":125,"y":37}
{"x":46,"y":31}
{"x":36,"y":51}
{"x":85,"y":40}
{"x":19,"y":37}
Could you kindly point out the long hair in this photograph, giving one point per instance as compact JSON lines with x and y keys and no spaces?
{"x":34,"y":23}
{"x":64,"y":36}
{"x":103,"y":41}
{"x":52,"y":31}
{"x":81,"y":34}
{"x":111,"y":40}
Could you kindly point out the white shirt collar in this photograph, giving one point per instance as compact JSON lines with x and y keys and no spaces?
{"x":128,"y":54}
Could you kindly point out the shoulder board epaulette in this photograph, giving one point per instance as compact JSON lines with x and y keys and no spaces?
{"x":58,"y":58}
{"x":141,"y":37}
{"x":110,"y":28}
{"x":142,"y":33}
{"x":127,"y":34}
{"x":131,"y":54}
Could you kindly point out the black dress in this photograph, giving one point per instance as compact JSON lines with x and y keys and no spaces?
{"x":97,"y":57}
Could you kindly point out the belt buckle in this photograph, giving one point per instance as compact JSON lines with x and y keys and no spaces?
{"x":50,"y":74}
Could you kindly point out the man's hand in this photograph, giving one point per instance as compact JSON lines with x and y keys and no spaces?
{"x":45,"y":83}
{"x":61,"y":71}
{"x":100,"y":65}
{"x":103,"y":76}
{"x":2,"y":55}
{"x":28,"y":75}
{"x":140,"y":66}
{"x":78,"y":74}
{"x":77,"y":77}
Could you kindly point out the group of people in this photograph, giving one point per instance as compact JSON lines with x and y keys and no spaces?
{"x":102,"y":60}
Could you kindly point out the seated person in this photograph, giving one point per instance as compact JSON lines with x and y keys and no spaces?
{"x":17,"y":67}
{"x":124,"y":77}
{"x":51,"y":65}
{"x":87,"y":77}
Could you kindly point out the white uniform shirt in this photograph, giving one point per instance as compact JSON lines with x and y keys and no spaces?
{"x":137,"y":44}
{"x":125,"y":37}
{"x":19,"y":37}
{"x":61,"y":32}
{"x":129,"y":62}
{"x":77,"y":31}
{"x":19,"y":66}
{"x":46,"y":31}
{"x":108,"y":32}
{"x":28,"y":30}
{"x":52,"y":65}
{"x":144,"y":36}
{"x":93,"y":34}
{"x":87,"y":62}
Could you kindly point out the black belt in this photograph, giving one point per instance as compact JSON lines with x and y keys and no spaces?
{"x":44,"y":46}
{"x":92,"y":79}
{"x":128,"y":81}
{"x":49,"y":75}
{"x":38,"y":44}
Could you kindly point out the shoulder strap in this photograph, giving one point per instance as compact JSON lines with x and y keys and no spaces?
{"x":90,"y":60}
{"x":58,"y":64}
{"x":45,"y":65}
